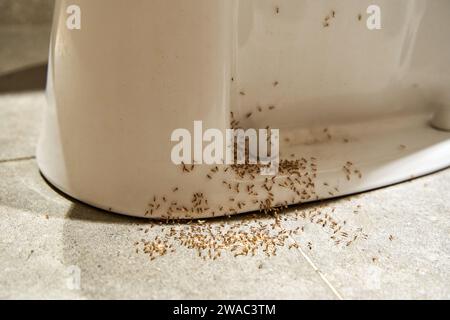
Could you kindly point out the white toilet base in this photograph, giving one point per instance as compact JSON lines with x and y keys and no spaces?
{"x":376,"y":154}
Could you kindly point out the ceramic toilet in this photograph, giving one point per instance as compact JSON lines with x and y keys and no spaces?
{"x":357,"y":109}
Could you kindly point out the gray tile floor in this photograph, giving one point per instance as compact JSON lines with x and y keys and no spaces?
{"x":46,"y":240}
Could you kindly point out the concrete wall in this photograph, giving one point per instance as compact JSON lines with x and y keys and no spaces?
{"x":26,"y":12}
{"x":24,"y":33}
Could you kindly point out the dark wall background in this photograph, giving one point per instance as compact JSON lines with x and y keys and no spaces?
{"x":26,"y":11}
{"x":24,"y":33}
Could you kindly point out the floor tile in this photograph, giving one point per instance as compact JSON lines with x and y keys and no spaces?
{"x":407,"y":251}
{"x":45,"y":237}
{"x":21,"y":121}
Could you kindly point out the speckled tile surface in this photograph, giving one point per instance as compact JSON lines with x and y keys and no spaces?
{"x":43,"y":234}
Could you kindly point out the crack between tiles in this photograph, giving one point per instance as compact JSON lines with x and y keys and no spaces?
{"x":17,"y":159}
{"x":317,"y":270}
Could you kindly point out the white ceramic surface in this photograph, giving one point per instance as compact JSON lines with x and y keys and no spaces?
{"x":137,"y":70}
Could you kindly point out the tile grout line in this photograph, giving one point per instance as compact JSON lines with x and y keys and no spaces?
{"x":17,"y":159}
{"x":317,"y":270}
